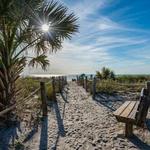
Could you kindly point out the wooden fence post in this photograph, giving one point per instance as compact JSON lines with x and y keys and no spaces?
{"x":43,"y":98}
{"x":59,"y":82}
{"x":85,"y":83}
{"x":144,"y":105}
{"x":94,"y":87}
{"x":77,"y":80}
{"x":62,"y":82}
{"x":54,"y":90}
{"x":91,"y":77}
{"x":65,"y":80}
{"x":148,"y":90}
{"x":148,"y":87}
{"x":91,"y":80}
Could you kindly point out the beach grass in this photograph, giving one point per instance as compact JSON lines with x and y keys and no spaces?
{"x":30,"y":84}
{"x":111,"y":86}
{"x":123,"y":83}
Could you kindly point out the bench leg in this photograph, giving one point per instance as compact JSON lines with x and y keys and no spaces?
{"x":128,"y":130}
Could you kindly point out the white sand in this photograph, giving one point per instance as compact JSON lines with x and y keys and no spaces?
{"x":77,"y":122}
{"x":80,"y":123}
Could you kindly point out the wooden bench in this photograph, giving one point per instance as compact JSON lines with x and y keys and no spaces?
{"x":134,"y":112}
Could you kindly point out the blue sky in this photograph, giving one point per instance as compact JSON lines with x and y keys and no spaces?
{"x":112,"y":33}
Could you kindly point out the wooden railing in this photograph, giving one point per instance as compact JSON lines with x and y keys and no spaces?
{"x":42,"y":89}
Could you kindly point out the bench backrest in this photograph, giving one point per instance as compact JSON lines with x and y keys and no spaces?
{"x":144,"y":104}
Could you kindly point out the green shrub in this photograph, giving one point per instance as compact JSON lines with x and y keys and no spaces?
{"x":105,"y":74}
{"x":49,"y":91}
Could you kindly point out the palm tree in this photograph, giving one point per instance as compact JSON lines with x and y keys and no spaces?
{"x":98,"y":75}
{"x":105,"y":73}
{"x":112,"y":75}
{"x":21,"y":33}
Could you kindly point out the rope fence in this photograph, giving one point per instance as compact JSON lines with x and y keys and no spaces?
{"x":90,"y":84}
{"x":56,"y":82}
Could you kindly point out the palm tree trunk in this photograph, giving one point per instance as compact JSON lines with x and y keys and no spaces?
{"x":7,"y":96}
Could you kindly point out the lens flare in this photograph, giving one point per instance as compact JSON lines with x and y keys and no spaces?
{"x":45,"y":27}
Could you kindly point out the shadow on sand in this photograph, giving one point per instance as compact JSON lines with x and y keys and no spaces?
{"x":110,"y":105}
{"x":148,"y":124}
{"x":8,"y":136}
{"x":31,"y":134}
{"x":44,"y":134}
{"x":60,"y":117}
{"x":139,"y":143}
{"x":107,"y":101}
{"x":60,"y":124}
{"x":61,"y":130}
{"x":64,"y":95}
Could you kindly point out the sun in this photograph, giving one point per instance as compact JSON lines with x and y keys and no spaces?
{"x":45,"y":27}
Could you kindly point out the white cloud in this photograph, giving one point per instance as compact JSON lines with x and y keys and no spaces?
{"x":105,"y":23}
{"x":85,"y":8}
{"x":91,"y":48}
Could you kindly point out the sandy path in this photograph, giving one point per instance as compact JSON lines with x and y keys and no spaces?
{"x":79,"y":123}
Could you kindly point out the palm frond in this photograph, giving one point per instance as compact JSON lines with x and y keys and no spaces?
{"x":20,"y":32}
{"x":39,"y":60}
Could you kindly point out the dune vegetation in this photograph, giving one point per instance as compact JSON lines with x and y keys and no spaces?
{"x":108,"y":82}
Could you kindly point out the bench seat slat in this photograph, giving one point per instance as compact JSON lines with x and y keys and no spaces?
{"x":128,"y":110}
{"x":134,"y":112}
{"x":121,"y":108}
{"x":132,"y":115}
